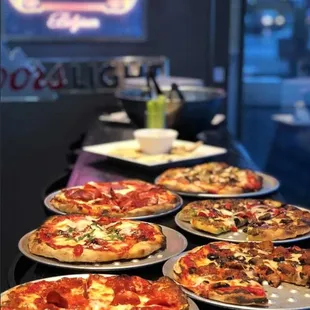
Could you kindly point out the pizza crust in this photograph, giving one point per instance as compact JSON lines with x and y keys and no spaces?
{"x":279,"y":233}
{"x":245,"y":299}
{"x":71,"y":208}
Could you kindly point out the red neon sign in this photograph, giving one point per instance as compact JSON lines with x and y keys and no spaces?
{"x":108,"y":7}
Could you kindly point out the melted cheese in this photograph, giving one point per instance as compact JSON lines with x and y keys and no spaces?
{"x":89,"y":228}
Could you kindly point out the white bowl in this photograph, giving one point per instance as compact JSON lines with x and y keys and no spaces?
{"x":155,"y":141}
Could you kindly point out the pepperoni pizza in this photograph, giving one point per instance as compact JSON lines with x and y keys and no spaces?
{"x":96,"y":292}
{"x":128,"y":198}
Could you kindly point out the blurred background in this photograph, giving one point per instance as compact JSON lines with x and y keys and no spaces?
{"x":257,"y":51}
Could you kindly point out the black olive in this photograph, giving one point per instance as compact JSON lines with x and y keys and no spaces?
{"x":192,"y":270}
{"x":212,"y":256}
{"x":237,"y":221}
{"x":253,"y":261}
{"x":286,"y":221}
{"x":245,"y":230}
{"x":279,"y":259}
{"x":266,"y":216}
{"x":229,"y":278}
{"x":241,"y":258}
{"x":219,"y":285}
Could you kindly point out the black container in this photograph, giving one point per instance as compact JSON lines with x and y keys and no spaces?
{"x":195,"y":113}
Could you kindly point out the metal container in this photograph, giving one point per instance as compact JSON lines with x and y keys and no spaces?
{"x":192,"y":116}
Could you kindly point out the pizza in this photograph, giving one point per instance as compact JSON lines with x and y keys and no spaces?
{"x":262,"y":219}
{"x":128,"y":198}
{"x":233,"y":273}
{"x":83,"y":238}
{"x":94,"y":292}
{"x":213,"y":178}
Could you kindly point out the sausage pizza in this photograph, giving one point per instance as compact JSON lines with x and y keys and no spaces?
{"x":213,"y":178}
{"x":233,"y":273}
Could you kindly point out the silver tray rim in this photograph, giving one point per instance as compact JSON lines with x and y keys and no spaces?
{"x":214,"y":237}
{"x":178,"y":206}
{"x":168,"y":266}
{"x":270,"y":185}
{"x":192,"y":305}
{"x":126,"y":265}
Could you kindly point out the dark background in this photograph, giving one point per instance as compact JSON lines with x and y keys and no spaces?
{"x":36,"y":136}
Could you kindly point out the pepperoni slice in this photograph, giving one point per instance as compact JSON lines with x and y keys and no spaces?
{"x":82,"y":194}
{"x":126,"y":298}
{"x":78,"y":250}
{"x":121,"y":284}
{"x":254,"y":183}
{"x":107,"y":220}
{"x":56,"y":299}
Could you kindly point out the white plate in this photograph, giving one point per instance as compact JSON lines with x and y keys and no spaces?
{"x":179,"y":203}
{"x":238,"y":236}
{"x":192,"y":305}
{"x":270,"y":185}
{"x":286,"y":296}
{"x":175,"y":244}
{"x":201,"y":152}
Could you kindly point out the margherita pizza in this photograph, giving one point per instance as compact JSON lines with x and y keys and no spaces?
{"x":232,"y":273}
{"x":213,"y":178}
{"x":80,"y":238}
{"x":96,"y":292}
{"x":263,"y":219}
{"x":127,"y":198}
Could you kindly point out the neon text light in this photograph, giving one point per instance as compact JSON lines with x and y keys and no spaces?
{"x":72,"y":22}
{"x":108,"y":7}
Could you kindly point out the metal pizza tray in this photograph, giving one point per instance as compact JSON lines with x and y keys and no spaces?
{"x":238,"y":236}
{"x":48,"y":205}
{"x":270,"y":185}
{"x":192,"y":305}
{"x":286,"y":296}
{"x":176,"y":244}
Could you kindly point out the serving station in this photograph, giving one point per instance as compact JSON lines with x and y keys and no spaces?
{"x":95,"y":167}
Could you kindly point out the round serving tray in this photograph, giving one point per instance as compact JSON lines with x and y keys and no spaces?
{"x":270,"y":185}
{"x":48,"y":205}
{"x":192,"y":305}
{"x":238,"y":236}
{"x":176,"y":243}
{"x":286,"y":296}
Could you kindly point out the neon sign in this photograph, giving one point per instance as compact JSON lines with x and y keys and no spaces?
{"x":109,"y":7}
{"x":104,"y":19}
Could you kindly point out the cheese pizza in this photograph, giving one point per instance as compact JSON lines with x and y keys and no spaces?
{"x":80,"y":238}
{"x":233,"y":273}
{"x":96,"y":292}
{"x":213,"y":178}
{"x":128,"y":198}
{"x":262,"y":219}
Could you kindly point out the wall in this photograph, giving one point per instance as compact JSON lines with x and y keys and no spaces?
{"x":177,"y":29}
